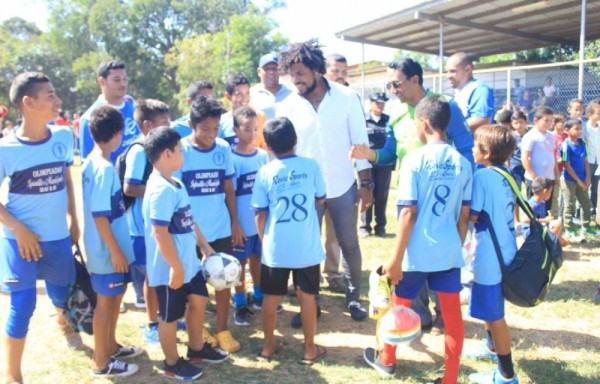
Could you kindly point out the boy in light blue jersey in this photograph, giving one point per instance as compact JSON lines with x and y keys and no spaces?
{"x":434,"y":196}
{"x":149,"y":114}
{"x":106,"y":243}
{"x":207,"y":174}
{"x":171,"y":236}
{"x":247,"y":160}
{"x":35,"y":238}
{"x":113,"y":84}
{"x":196,"y":88}
{"x":284,"y":195}
{"x":237,"y":91}
{"x":493,"y":204}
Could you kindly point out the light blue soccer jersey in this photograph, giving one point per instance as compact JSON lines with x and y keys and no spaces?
{"x":287,"y":187}
{"x":437,"y":179}
{"x":37,"y":194}
{"x":103,"y":197}
{"x":492,"y":194}
{"x":166,"y":203}
{"x":182,"y":126}
{"x":131,"y":132}
{"x":246,"y":167}
{"x":135,"y":164}
{"x":204,"y":173}
{"x":226,"y":131}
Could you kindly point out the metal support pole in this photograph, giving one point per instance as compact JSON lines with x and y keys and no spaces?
{"x":441,"y":55}
{"x":508,"y":86}
{"x":581,"y":50}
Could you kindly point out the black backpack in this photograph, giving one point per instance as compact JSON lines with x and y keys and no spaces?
{"x":81,"y":302}
{"x":525,"y":282}
{"x":120,"y":165}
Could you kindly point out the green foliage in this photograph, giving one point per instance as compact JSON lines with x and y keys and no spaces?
{"x":427,"y":61}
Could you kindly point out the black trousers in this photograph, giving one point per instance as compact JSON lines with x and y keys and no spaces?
{"x":381,"y":179}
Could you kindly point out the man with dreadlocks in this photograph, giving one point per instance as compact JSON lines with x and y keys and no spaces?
{"x":329,"y":119}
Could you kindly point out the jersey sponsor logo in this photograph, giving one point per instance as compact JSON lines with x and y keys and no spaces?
{"x":218,"y":158}
{"x":291,"y":178}
{"x":182,"y":221}
{"x":204,"y":182}
{"x":43,"y":178}
{"x":245,"y":184}
{"x":59,"y":150}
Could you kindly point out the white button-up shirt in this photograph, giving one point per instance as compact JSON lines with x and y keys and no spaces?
{"x":327,"y":135}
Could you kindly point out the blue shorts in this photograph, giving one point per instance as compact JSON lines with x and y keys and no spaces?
{"x":172,"y":302}
{"x":57,"y":265}
{"x":110,"y":284}
{"x":252,"y":246}
{"x":442,"y":281}
{"x":487,"y":302}
{"x":139,"y":250}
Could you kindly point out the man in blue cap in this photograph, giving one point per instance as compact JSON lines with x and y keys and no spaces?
{"x":269,"y":92}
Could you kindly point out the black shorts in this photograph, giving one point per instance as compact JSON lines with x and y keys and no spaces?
{"x":220,"y":245}
{"x":172,"y":302}
{"x":274,"y":281}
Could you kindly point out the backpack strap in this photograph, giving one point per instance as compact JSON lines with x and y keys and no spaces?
{"x":488,"y":222}
{"x":523,"y":204}
{"x":77,"y":255}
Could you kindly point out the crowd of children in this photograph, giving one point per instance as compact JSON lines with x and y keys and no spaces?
{"x":196,"y":195}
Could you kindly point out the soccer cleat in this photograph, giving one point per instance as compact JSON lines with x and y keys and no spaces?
{"x":151,"y":334}
{"x":482,"y":352}
{"x":372,"y":357}
{"x":227,"y":342}
{"x":126,"y":352}
{"x":181,"y":370}
{"x":206,"y":355}
{"x":357,"y":312}
{"x":242,"y":316}
{"x":380,"y":294}
{"x":116,"y":368}
{"x":491,"y":377}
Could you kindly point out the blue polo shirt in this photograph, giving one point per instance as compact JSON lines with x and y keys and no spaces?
{"x":575,"y":154}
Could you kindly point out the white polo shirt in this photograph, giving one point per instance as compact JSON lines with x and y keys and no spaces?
{"x":261,"y":98}
{"x":327,"y":135}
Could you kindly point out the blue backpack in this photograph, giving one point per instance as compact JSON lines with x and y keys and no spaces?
{"x":81,"y":302}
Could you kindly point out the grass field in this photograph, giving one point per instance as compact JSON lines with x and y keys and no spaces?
{"x":557,"y":342}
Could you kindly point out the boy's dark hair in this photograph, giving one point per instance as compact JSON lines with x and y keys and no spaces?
{"x":242,"y":114}
{"x":519,"y":114}
{"x":203,"y":107}
{"x":594,"y":104}
{"x":570,"y":123}
{"x":505,"y":116}
{"x":25,"y":84}
{"x":560,"y":116}
{"x":106,"y":66}
{"x":308,"y":53}
{"x":408,"y":67}
{"x":436,"y":110}
{"x":575,"y":101}
{"x":106,"y":122}
{"x":148,"y":110}
{"x":196,"y":87}
{"x":540,"y":183}
{"x":159,"y":140}
{"x":280,"y":135}
{"x":497,"y":140}
{"x":235,"y":80}
{"x":541,"y":112}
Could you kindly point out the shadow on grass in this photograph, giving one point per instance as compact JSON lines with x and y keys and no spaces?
{"x":552,"y":371}
{"x":572,"y":290}
{"x":534,"y":338}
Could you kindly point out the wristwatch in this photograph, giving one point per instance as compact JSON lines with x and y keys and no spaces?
{"x":368,"y":184}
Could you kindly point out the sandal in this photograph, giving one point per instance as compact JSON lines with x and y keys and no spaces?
{"x":321,"y":352}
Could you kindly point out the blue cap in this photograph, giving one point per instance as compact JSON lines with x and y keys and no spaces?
{"x":266,"y":59}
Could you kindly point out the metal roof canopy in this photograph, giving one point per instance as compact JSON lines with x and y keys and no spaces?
{"x":479,"y":28}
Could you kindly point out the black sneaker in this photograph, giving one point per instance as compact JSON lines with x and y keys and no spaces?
{"x":297,"y":320}
{"x":116,"y":368}
{"x":257,"y":305}
{"x":242,"y":316}
{"x":207,"y":354}
{"x":371,"y":357}
{"x":357,"y":312}
{"x":181,"y":370}
{"x":126,"y":352}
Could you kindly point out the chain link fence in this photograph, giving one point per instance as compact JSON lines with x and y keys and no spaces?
{"x":531,"y":86}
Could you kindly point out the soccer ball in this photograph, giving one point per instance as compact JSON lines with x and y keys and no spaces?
{"x":221,"y":270}
{"x":399,"y":325}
